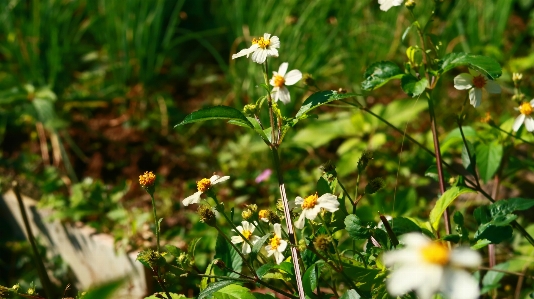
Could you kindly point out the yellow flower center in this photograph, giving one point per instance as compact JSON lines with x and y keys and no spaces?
{"x":479,"y":81}
{"x":247,"y":234}
{"x":525,"y":108}
{"x":310,"y":201}
{"x":436,"y":253}
{"x":279,"y":81}
{"x":263,"y":43}
{"x":147,"y":179}
{"x":263,"y":214}
{"x":486,"y":119}
{"x":203,"y":185}
{"x":274,"y":242}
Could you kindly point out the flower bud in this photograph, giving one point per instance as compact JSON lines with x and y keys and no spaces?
{"x":273,"y":217}
{"x":322,"y":242}
{"x":246,"y":214}
{"x":308,"y":80}
{"x":147,"y":181}
{"x":517,"y":77}
{"x":364,"y":160}
{"x":374,"y":185}
{"x":250,"y":109}
{"x":207,"y":215}
{"x":410,"y":4}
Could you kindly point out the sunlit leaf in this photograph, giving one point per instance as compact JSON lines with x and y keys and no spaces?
{"x":320,"y":98}
{"x":217,"y":112}
{"x":444,"y":201}
{"x":413,"y":87}
{"x":379,"y":73}
{"x":485,"y":65}
{"x":234,"y":291}
{"x":488,"y":159}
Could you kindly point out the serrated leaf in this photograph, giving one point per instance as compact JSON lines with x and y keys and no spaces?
{"x":444,"y":201}
{"x":469,"y":162}
{"x":356,"y":228}
{"x":367,"y":278}
{"x":264,"y":269}
{"x":310,"y":278}
{"x":488,"y":159}
{"x":320,"y":98}
{"x":401,"y":225}
{"x":379,"y":73}
{"x":493,"y":233}
{"x":160,"y":295}
{"x":173,"y":250}
{"x":234,"y":291}
{"x":217,"y":112}
{"x":507,"y":206}
{"x":229,"y":256}
{"x":413,"y":87}
{"x":482,"y":214}
{"x":214,"y":287}
{"x":485,"y":65}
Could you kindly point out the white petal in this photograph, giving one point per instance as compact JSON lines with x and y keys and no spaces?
{"x":529,"y":123}
{"x":217,"y":179}
{"x":492,"y":87}
{"x":475,"y":96}
{"x":278,"y":257}
{"x":328,"y":202}
{"x":269,"y":250}
{"x":271,"y":52}
{"x":312,"y":213}
{"x":257,"y":57}
{"x":283,"y":69}
{"x":237,"y":239}
{"x":246,"y":248}
{"x":282,"y":246}
{"x":463,"y":81}
{"x":416,"y":240}
{"x":532,"y":103}
{"x":518,"y":122}
{"x":300,"y":222}
{"x":465,"y":257}
{"x":283,"y":95}
{"x":414,"y":277}
{"x":271,"y":82}
{"x":195,"y":198}
{"x":299,"y":200}
{"x":402,"y":256}
{"x":266,"y":36}
{"x":254,"y":239}
{"x":293,"y":77}
{"x":275,"y":43}
{"x":242,"y":53}
{"x":275,"y":93}
{"x":385,"y":5}
{"x":278,"y":230}
{"x":459,"y":284}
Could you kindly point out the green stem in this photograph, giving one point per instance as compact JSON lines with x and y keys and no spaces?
{"x":226,"y":277}
{"x":41,"y":270}
{"x":238,"y":252}
{"x":155,"y":221}
{"x":331,"y":236}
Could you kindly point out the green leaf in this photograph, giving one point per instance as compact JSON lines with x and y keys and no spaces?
{"x":264,"y":269}
{"x":264,"y":296}
{"x":257,"y":128}
{"x":482,"y":214}
{"x":258,"y":245}
{"x":217,"y":112}
{"x":401,"y":225}
{"x":412,"y":86}
{"x":492,"y":278}
{"x":104,"y":291}
{"x":444,"y":201}
{"x":469,"y":162}
{"x":485,"y":65}
{"x":481,"y":244}
{"x":493,"y":233}
{"x":323,"y":187}
{"x":160,"y":295}
{"x":173,"y":250}
{"x":451,"y":238}
{"x":488,"y":159}
{"x":507,"y":206}
{"x":234,"y":291}
{"x":205,"y":281}
{"x":214,"y":287}
{"x":229,"y":256}
{"x":356,"y":229}
{"x":366,"y":277}
{"x":320,"y":98}
{"x":310,"y":278}
{"x":379,"y":73}
{"x":286,"y":267}
{"x":350,"y":294}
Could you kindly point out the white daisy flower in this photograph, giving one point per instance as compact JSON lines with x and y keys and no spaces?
{"x":203,"y":185}
{"x":246,"y":229}
{"x":429,"y":267}
{"x":385,"y":5}
{"x":280,"y":80}
{"x":261,"y":48}
{"x":475,"y":82}
{"x":526,"y":110}
{"x":276,"y":244}
{"x":312,"y":205}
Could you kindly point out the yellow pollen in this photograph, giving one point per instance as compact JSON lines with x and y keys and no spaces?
{"x":436,"y":253}
{"x":279,"y":81}
{"x":147,"y":179}
{"x":203,"y":185}
{"x":247,"y":234}
{"x":263,"y":43}
{"x":263,"y":214}
{"x":479,"y":81}
{"x":310,"y":201}
{"x":274,"y":242}
{"x":526,"y":108}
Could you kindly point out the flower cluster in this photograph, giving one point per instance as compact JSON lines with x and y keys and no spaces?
{"x":147,"y":179}
{"x":202,"y":186}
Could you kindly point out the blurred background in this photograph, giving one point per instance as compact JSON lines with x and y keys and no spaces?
{"x":90,"y":92}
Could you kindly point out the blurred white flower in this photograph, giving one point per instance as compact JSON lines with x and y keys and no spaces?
{"x":280,"y":80}
{"x":261,"y":48}
{"x":311,"y":206}
{"x":246,"y":229}
{"x":475,"y":82}
{"x":429,"y":267}
{"x":276,"y":244}
{"x":385,"y":5}
{"x":203,"y":185}
{"x":526,"y":110}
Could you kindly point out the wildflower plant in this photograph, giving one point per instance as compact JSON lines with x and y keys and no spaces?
{"x":317,"y":246}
